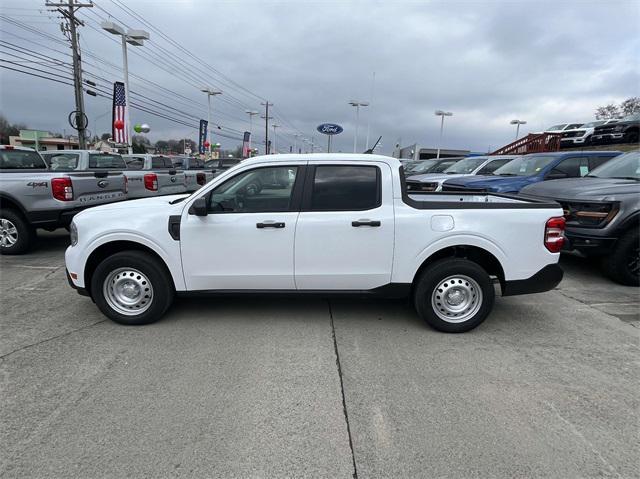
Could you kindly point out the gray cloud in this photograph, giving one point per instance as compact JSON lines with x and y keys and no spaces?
{"x":488,"y":62}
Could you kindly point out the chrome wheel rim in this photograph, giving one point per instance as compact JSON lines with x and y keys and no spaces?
{"x":128,"y":291}
{"x":456,"y":298}
{"x":8,"y":233}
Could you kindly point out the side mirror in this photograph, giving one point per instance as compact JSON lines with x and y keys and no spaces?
{"x":556,"y":175}
{"x":199,"y":207}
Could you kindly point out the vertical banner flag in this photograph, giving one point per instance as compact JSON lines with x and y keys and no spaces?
{"x":245,"y":145}
{"x":202,"y":136}
{"x":119,"y":127}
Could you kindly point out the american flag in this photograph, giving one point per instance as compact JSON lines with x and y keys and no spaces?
{"x":119,"y":114}
{"x":245,"y":145}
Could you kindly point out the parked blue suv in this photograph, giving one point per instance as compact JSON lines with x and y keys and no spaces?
{"x":528,"y":169}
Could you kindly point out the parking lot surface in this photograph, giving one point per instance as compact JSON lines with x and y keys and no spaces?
{"x":271,"y":387}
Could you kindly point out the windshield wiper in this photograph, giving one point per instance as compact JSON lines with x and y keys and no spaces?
{"x":625,"y":178}
{"x":591,"y":176}
{"x":178,"y":200}
{"x":507,"y":174}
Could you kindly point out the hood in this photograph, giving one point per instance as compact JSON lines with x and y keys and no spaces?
{"x":579,"y":188}
{"x":433,"y":177}
{"x":158,"y":202}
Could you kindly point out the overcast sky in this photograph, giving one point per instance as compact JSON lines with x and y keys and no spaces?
{"x":487,"y":62}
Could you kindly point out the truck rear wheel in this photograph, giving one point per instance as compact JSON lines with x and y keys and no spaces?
{"x":623,"y":264}
{"x":132,"y":287}
{"x":16,"y":236}
{"x":454,"y":295}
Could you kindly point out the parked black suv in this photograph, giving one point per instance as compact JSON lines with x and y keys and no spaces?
{"x":624,"y":131}
{"x":602,"y":211}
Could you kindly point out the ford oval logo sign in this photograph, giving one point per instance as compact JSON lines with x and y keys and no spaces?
{"x":330,"y":129}
{"x":103,"y":183}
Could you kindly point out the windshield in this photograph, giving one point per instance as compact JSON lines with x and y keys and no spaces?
{"x":623,"y":166}
{"x":415,"y":167}
{"x":468,"y":165}
{"x":557,"y":127}
{"x":21,"y":159}
{"x":634,"y":117}
{"x":593,"y":124}
{"x":524,"y":166}
{"x":106,"y":160}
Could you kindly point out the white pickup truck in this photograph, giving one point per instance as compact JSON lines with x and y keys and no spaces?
{"x":323,"y":224}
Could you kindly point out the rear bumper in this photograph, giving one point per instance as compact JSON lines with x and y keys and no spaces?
{"x":544,"y":280}
{"x":52,"y":218}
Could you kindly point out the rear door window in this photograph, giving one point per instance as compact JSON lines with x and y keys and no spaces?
{"x":346,"y":188}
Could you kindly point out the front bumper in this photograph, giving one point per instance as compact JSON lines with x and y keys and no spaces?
{"x":607,"y":138}
{"x":544,"y":280}
{"x":589,"y":244}
{"x":81,"y":291}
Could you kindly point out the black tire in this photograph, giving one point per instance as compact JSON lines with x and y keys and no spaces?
{"x":623,"y":264}
{"x":151,"y":269}
{"x":632,"y":137}
{"x":428,"y":285}
{"x":13,"y":227}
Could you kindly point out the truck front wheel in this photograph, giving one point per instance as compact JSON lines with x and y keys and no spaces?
{"x":132,"y":287}
{"x":623,"y":264}
{"x":16,"y":236}
{"x":454,"y":295}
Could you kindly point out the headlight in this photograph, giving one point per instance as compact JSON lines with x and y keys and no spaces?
{"x":73,"y":234}
{"x":618,"y":128}
{"x":589,"y":214}
{"x":416,"y":186}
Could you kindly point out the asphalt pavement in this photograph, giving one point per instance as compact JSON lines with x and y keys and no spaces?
{"x":547,"y":386}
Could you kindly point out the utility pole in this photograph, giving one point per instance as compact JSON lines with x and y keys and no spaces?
{"x":266,"y":125}
{"x":70,"y":31}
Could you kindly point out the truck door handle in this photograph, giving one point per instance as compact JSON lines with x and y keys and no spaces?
{"x":358,"y":223}
{"x":270,"y":224}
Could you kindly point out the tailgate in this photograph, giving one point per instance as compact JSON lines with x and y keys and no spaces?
{"x":170,"y":182}
{"x":95,"y":188}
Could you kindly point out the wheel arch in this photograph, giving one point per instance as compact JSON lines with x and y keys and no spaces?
{"x":116,"y":246}
{"x":484,"y":258}
{"x":8,"y":201}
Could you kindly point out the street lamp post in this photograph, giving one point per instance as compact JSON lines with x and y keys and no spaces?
{"x":442,"y":114}
{"x":275,"y":143}
{"x":518,"y":123}
{"x":251,"y":114}
{"x":135,"y":38}
{"x":357,"y":104}
{"x":210,"y":92}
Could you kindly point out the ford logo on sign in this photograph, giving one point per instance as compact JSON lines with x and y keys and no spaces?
{"x":103,"y":183}
{"x":330,"y":129}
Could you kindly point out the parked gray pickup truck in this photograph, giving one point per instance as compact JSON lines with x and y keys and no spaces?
{"x":158,"y":173}
{"x":33,"y":196}
{"x":194,"y":171}
{"x":603,"y":214}
{"x":147,"y":175}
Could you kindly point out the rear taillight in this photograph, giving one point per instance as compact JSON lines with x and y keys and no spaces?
{"x":201,"y":178}
{"x":151,"y":181}
{"x":126,"y":185}
{"x":62,"y":189}
{"x":554,"y":234}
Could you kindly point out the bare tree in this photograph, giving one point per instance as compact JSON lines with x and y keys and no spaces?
{"x":630,"y":106}
{"x":607,"y":112}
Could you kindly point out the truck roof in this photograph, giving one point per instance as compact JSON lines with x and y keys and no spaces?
{"x":328,"y":157}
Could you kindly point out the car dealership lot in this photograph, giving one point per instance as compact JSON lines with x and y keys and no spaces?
{"x":265,"y":387}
